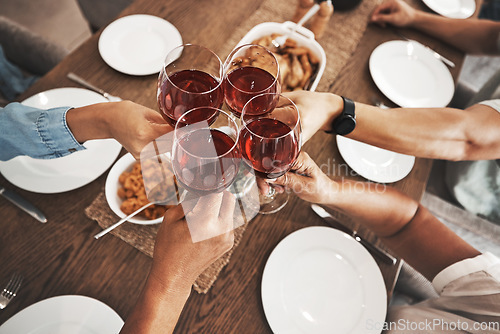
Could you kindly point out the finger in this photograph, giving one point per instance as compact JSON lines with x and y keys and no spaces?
{"x":382,"y":19}
{"x":227,"y":211}
{"x":262,"y":186}
{"x":304,"y":165}
{"x":173,"y":214}
{"x":208,"y":206}
{"x":293,"y":94}
{"x":189,"y":202}
{"x":290,"y":180}
{"x":279,"y":189}
{"x":384,"y":7}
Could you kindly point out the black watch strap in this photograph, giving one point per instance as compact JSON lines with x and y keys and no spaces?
{"x":346,"y":121}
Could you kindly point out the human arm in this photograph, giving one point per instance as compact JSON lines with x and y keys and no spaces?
{"x":404,"y":226}
{"x":133,"y":125}
{"x":177,"y":262}
{"x":473,"y":36}
{"x":437,"y":133}
{"x":60,"y":131}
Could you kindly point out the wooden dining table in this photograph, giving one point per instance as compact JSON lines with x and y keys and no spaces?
{"x":61,"y":257}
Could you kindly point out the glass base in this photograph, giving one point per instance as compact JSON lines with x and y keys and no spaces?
{"x":272,"y":202}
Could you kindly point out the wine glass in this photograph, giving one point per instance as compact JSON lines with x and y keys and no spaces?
{"x":191,"y":77}
{"x":270,"y":143}
{"x":206,"y":155}
{"x":250,"y":70}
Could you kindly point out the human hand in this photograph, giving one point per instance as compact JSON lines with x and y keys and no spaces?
{"x":317,"y":110}
{"x":308,"y":182}
{"x":177,"y":259}
{"x":395,"y":12}
{"x":134,"y":126}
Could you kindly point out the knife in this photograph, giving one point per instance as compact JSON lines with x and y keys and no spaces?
{"x":23,"y":204}
{"x":332,"y":221}
{"x":84,"y":83}
{"x":434,"y":53}
{"x":437,"y":55}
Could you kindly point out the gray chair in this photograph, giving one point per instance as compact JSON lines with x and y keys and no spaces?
{"x":27,"y":56}
{"x":28,"y":50}
{"x":100,"y":13}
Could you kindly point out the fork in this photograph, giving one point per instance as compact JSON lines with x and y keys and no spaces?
{"x":10,"y":291}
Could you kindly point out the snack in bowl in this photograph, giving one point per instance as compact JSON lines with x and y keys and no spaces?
{"x":133,"y":194}
{"x":125,"y":189}
{"x":293,"y":63}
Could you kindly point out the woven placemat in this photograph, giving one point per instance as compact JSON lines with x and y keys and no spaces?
{"x":339,"y":40}
{"x":143,"y":237}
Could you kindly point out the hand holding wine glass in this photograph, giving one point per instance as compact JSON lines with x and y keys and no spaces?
{"x":270,"y":142}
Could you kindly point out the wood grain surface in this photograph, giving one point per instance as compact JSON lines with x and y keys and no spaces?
{"x":62,"y":258}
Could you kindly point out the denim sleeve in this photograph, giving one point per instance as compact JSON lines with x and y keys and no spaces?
{"x":42,"y":134}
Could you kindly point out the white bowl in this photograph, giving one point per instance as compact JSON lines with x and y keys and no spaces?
{"x":303,"y":36}
{"x":125,"y":163}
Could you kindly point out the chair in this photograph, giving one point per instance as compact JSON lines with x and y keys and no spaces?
{"x":26,"y":55}
{"x":100,"y":13}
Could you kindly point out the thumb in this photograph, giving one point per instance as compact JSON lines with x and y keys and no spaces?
{"x":290,"y":180}
{"x":381,"y":19}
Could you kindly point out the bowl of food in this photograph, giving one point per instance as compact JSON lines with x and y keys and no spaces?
{"x":301,"y":59}
{"x":125,"y":192}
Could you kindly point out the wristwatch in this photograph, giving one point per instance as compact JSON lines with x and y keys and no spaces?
{"x":346,"y":121}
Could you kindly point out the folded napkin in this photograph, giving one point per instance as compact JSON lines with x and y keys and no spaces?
{"x":143,"y":237}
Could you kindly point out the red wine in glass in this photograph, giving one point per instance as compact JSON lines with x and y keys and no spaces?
{"x":188,"y":89}
{"x":206,"y":161}
{"x":269,"y":146}
{"x":243,"y":83}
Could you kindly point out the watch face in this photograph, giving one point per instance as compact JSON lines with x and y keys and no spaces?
{"x":345,"y":125}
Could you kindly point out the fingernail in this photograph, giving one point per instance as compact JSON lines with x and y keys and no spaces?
{"x":272,"y":180}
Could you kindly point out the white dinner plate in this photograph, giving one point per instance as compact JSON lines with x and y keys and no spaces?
{"x":455,"y":9}
{"x":374,"y":163}
{"x":138,"y":44}
{"x":73,"y":171}
{"x":409,"y":74}
{"x":320,"y":280}
{"x":63,"y":315}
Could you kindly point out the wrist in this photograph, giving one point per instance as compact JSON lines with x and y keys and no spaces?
{"x":110,"y":118}
{"x":90,"y":122}
{"x":332,"y":195}
{"x":418,"y":19}
{"x":335,"y":106}
{"x":168,"y":286}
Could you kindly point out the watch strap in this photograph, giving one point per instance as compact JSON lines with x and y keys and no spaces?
{"x":347,"y":114}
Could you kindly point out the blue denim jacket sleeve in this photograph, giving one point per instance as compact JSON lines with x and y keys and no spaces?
{"x":38,"y":133}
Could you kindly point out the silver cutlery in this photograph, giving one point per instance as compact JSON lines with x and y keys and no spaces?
{"x":434,"y":53}
{"x":83,"y":82}
{"x":123,"y":220}
{"x":23,"y":204}
{"x":332,"y":221}
{"x":10,"y":290}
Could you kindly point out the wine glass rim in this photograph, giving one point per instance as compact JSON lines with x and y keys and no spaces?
{"x":221,"y":70}
{"x":244,"y":124}
{"x":226,"y":63}
{"x":176,"y":139}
